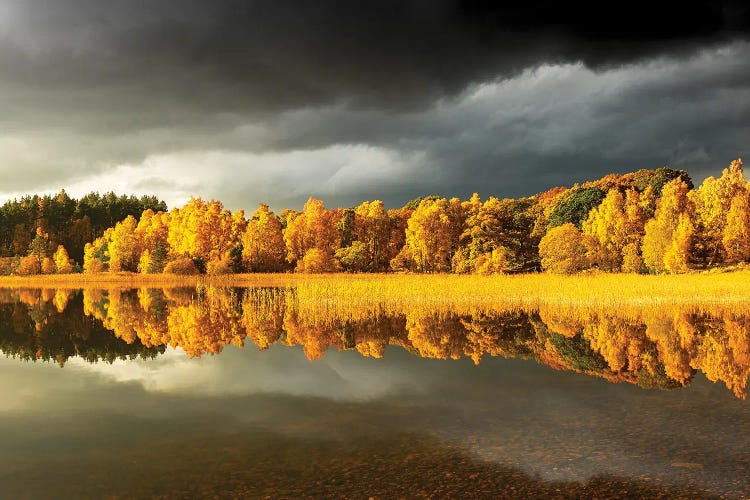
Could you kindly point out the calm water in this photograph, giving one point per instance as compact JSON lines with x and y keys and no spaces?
{"x":248,"y":393}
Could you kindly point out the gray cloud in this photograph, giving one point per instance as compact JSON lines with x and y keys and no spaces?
{"x":551,"y":125}
{"x":189,"y":58}
{"x":387,"y":100}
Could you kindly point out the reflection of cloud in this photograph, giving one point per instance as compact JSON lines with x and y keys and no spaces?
{"x":278,"y":370}
{"x":509,"y":411}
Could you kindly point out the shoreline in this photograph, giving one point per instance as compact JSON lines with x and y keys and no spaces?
{"x":420,"y":290}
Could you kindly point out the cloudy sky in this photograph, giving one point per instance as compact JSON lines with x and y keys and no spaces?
{"x":250,"y":101}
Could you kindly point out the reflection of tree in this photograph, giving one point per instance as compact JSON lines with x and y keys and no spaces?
{"x":724,"y":354}
{"x":37,"y":331}
{"x":649,"y":347}
{"x":208,"y":324}
{"x":315,"y":338}
{"x":263,"y":311}
{"x":510,"y":335}
{"x":436,"y":335}
{"x":669,"y":334}
{"x":618,"y":341}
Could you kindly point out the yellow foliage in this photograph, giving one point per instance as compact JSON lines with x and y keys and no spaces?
{"x":29,"y":265}
{"x":221,"y":266}
{"x":124,"y":246}
{"x":263,"y":248}
{"x":492,"y":262}
{"x":631,"y":259}
{"x":48,"y":266}
{"x":606,"y":227}
{"x":713,"y":201}
{"x":204,"y":230}
{"x":92,"y":253}
{"x":61,"y":299}
{"x":430,"y":236}
{"x":314,"y":228}
{"x":736,"y":237}
{"x":181,"y":265}
{"x":372,"y":228}
{"x":144,"y":262}
{"x":63,"y":263}
{"x":317,"y":261}
{"x":676,"y":257}
{"x":563,"y":250}
{"x":672,"y":207}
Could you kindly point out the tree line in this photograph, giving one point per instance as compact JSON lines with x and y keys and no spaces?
{"x":645,"y":221}
{"x":38,"y":225}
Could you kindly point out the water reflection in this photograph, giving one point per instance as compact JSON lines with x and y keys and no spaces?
{"x":649,"y":347}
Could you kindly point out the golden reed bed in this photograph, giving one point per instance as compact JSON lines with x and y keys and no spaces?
{"x":399,"y":291}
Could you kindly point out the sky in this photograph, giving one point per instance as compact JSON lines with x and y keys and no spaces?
{"x":275,"y":101}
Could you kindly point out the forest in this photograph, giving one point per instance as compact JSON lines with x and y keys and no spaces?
{"x":648,"y":221}
{"x":39,"y":225}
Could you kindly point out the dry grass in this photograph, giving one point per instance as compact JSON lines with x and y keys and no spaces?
{"x":99,"y":280}
{"x":336,"y":295}
{"x":402,"y":292}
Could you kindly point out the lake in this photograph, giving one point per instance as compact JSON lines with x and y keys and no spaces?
{"x":257,"y":392}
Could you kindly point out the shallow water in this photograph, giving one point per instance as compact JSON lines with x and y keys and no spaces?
{"x":167,"y":393}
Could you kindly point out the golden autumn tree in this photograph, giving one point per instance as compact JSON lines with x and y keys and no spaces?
{"x":563,"y":250}
{"x":503,"y":226}
{"x":463,"y":260}
{"x":635,"y":209}
{"x":224,"y":265}
{"x":204,"y":231}
{"x":493,"y":262}
{"x":312,"y":229}
{"x":317,"y":260}
{"x":28,"y":265}
{"x":62,"y":261}
{"x":678,"y":253}
{"x":632,"y":262}
{"x":153,"y":262}
{"x":736,"y":235}
{"x":48,"y":266}
{"x":365,"y":237}
{"x":144,"y":262}
{"x":263,"y":248}
{"x":96,"y":253}
{"x":606,"y":226}
{"x":398,"y":219}
{"x":713,"y":201}
{"x":660,"y":231}
{"x":430,"y":236}
{"x":152,"y":232}
{"x":373,"y":229}
{"x":124,"y":246}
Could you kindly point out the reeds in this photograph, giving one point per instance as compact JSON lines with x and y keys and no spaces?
{"x":408,"y":291}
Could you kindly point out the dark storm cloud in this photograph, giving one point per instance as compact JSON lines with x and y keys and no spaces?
{"x":555,"y":125}
{"x":374,"y":99}
{"x":175,"y":61}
